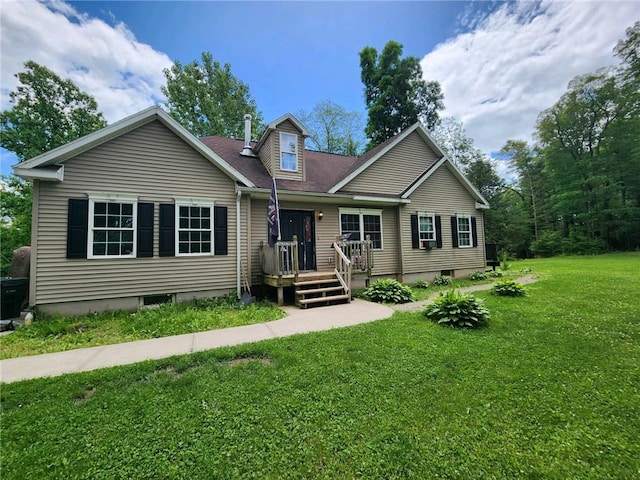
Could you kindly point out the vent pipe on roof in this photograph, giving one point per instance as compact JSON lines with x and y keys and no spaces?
{"x":246,"y":150}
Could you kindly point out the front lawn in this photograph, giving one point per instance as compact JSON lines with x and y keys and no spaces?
{"x":549,"y":389}
{"x":55,"y":334}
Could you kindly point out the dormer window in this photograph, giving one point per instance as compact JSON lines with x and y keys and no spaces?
{"x":288,"y":152}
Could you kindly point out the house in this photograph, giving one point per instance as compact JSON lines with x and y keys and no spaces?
{"x":142,"y":212}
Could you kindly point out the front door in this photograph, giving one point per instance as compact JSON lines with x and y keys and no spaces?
{"x":300,"y":223}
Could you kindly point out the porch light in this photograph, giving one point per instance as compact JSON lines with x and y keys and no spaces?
{"x":320,"y":215}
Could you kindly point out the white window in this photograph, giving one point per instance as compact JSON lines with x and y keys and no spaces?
{"x":427,"y":229}
{"x":288,"y":152}
{"x":464,"y":231}
{"x":360,"y":222}
{"x":112,"y":226}
{"x":194,"y":227}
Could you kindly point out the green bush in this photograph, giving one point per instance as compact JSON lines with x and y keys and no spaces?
{"x":457,"y":309}
{"x":508,"y":288}
{"x":441,"y":281}
{"x":494,"y":274}
{"x":478,"y":276}
{"x":388,"y":290}
{"x":548,"y":244}
{"x":504,"y":260}
{"x":421,"y":284}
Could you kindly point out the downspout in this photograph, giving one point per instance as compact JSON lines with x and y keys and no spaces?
{"x":238,"y":250}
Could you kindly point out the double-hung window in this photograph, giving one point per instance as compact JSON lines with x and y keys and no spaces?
{"x":288,"y":152}
{"x":194,"y":232}
{"x":427,"y":230}
{"x":112,"y":226}
{"x":361,"y":222}
{"x":464,"y":231}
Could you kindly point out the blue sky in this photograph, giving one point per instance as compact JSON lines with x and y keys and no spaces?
{"x":499,"y":63}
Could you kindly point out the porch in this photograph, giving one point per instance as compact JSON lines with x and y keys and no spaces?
{"x":281,"y":269}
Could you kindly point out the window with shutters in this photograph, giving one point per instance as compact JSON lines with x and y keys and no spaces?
{"x":357,"y":224}
{"x":112,"y":226}
{"x":194,"y":227}
{"x":427,"y":230}
{"x":464,"y":231}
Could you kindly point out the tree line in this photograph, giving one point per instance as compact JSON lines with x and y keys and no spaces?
{"x":577,"y":187}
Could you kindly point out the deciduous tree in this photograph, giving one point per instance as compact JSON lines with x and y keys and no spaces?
{"x":207,"y":99}
{"x":332,"y":129}
{"x":396,"y":95}
{"x":48,"y":111}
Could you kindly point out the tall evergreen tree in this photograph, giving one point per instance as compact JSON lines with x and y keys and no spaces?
{"x":396,"y":95}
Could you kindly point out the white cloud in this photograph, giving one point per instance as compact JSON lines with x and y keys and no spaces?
{"x":517,"y":61}
{"x":104,"y":60}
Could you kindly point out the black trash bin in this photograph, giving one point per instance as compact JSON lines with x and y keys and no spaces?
{"x":13,"y":290}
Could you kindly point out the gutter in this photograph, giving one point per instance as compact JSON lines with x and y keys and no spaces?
{"x":320,"y":197}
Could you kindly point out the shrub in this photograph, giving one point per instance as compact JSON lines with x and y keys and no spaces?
{"x":494,"y":274}
{"x":526,"y":270}
{"x":421,"y":284}
{"x":478,"y":276}
{"x":388,"y":291}
{"x":504,"y":260}
{"x":508,"y":288}
{"x":441,"y":281}
{"x":457,"y":309}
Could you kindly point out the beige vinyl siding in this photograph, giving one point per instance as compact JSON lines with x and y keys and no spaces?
{"x":441,"y":194}
{"x":266,"y":154}
{"x":288,"y":127}
{"x":156,"y":166}
{"x":397,"y":169}
{"x":386,"y":260}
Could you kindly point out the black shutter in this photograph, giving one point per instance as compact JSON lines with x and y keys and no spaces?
{"x":438,"y":232}
{"x":145,"y":230}
{"x":77,"y":227}
{"x":415,"y":238}
{"x":454,"y":231}
{"x":167,"y":230}
{"x":474,"y":232}
{"x":220,"y":231}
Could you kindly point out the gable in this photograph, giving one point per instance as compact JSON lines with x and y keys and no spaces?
{"x":396,"y":169}
{"x":443,"y":193}
{"x":149,"y":160}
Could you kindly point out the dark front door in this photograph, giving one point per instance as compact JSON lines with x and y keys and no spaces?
{"x":300,"y":223}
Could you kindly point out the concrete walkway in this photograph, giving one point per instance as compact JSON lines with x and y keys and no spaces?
{"x":297,"y":321}
{"x":86,"y":359}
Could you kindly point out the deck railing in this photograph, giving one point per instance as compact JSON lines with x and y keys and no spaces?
{"x":343,"y":268}
{"x":281,"y":259}
{"x":359,"y":252}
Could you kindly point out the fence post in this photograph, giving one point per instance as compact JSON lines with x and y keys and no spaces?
{"x":294,"y":256}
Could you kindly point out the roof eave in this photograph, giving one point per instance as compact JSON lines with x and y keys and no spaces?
{"x":44,"y":174}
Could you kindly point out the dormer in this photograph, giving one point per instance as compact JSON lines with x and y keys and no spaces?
{"x":281,"y":148}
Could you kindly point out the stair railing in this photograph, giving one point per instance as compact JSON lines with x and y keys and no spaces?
{"x":360,"y":252}
{"x":343,"y":269}
{"x":281,"y":259}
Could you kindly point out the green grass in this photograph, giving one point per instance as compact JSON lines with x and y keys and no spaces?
{"x":55,"y":334}
{"x":550,"y":389}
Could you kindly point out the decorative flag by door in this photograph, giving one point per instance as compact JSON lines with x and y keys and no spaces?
{"x":273,"y":216}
